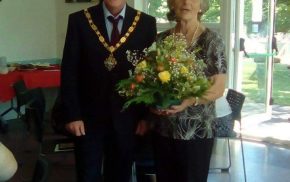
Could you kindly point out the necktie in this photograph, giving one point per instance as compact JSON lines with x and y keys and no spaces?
{"x":115,"y":35}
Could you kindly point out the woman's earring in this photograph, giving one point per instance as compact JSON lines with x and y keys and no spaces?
{"x":200,"y":11}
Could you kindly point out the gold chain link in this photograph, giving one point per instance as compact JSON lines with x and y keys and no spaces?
{"x":123,"y":39}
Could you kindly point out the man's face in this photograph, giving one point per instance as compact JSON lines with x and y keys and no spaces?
{"x":115,"y":5}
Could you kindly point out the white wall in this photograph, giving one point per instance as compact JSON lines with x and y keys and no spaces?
{"x":35,"y":29}
{"x":62,"y":11}
{"x":27,"y":29}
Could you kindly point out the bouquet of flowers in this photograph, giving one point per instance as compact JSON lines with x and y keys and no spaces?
{"x":164,"y":75}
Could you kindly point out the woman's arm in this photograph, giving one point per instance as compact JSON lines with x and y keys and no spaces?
{"x":216,"y":70}
{"x":214,"y":92}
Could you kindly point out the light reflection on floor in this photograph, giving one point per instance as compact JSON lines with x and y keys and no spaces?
{"x":269,"y":128}
{"x":264,"y":162}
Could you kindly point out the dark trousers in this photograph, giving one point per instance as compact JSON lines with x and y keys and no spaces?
{"x":104,"y":154}
{"x":182,"y":160}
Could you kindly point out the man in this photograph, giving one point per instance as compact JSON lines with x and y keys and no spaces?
{"x":94,"y":60}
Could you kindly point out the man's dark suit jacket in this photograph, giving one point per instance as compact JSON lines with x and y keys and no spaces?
{"x":87,"y":87}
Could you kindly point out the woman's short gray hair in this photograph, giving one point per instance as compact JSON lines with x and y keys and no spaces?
{"x":204,"y":6}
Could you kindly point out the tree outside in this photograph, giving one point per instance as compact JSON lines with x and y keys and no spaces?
{"x":254,"y":79}
{"x":281,"y":74}
{"x":159,"y":9}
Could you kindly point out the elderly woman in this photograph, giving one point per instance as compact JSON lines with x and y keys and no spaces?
{"x":184,"y":134}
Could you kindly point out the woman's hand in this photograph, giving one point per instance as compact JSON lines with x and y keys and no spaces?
{"x":160,"y":112}
{"x":179,"y":108}
{"x":174,"y":109}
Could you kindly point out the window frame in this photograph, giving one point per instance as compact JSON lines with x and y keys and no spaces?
{"x":226,"y":27}
{"x":141,"y":5}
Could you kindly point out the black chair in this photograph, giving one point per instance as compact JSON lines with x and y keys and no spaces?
{"x":25,"y":97}
{"x":22,"y":96}
{"x":236,"y":101}
{"x":41,"y":170}
{"x":32,"y":99}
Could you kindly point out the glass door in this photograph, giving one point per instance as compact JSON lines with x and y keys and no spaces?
{"x":253,"y":53}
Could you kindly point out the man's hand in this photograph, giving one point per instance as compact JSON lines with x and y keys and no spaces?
{"x":76,"y":128}
{"x":142,"y":128}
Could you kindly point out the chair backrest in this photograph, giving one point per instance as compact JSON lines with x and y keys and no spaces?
{"x":20,"y":92}
{"x":34,"y":101}
{"x":236,"y":101}
{"x":41,"y":170}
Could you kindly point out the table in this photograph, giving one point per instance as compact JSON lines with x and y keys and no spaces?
{"x":32,"y":79}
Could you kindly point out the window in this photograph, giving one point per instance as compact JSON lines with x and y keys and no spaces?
{"x":159,"y":9}
{"x":213,"y":14}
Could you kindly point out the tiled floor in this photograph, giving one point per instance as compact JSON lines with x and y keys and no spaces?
{"x":268,"y":128}
{"x":264,"y":163}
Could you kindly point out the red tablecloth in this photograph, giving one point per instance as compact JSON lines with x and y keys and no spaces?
{"x":32,"y":79}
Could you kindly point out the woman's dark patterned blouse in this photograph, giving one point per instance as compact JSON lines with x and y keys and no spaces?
{"x":196,"y":121}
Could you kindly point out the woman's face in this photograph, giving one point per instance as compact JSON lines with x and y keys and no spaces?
{"x":186,"y":9}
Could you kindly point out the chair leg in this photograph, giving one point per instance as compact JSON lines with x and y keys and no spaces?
{"x":134,"y":173}
{"x":243,"y":157}
{"x":11,"y":108}
{"x":26,"y":118}
{"x":226,"y":169}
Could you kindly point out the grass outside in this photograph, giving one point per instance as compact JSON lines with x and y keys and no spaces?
{"x":254,"y":79}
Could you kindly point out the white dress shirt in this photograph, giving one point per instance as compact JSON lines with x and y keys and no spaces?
{"x":109,"y":25}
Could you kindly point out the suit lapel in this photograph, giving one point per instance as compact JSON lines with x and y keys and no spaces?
{"x":98,"y":18}
{"x":129,"y":18}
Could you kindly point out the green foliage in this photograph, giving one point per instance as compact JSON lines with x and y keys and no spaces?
{"x":283,"y":16}
{"x":158,"y":8}
{"x":282,"y":19}
{"x":254,"y":83}
{"x":213,"y":14}
{"x":167,"y":72}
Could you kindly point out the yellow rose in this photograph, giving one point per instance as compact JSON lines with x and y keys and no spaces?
{"x":164,"y":76}
{"x":183,"y":70}
{"x":142,"y":65}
